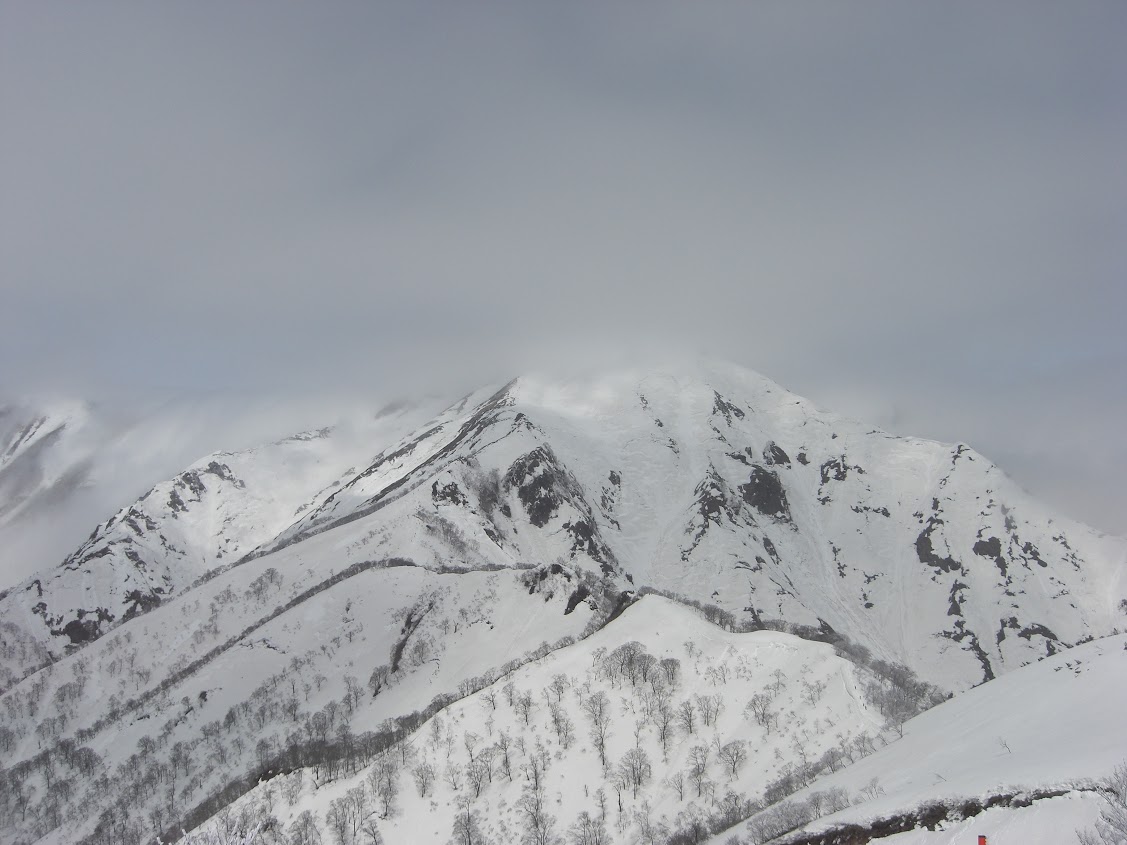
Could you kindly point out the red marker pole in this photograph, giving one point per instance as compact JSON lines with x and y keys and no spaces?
{"x":981,"y":840}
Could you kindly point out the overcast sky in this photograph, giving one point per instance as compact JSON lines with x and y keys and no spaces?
{"x":916,"y":213}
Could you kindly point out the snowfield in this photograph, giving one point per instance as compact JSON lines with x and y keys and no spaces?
{"x":815,"y":699}
{"x":1055,"y":725}
{"x":658,"y":603}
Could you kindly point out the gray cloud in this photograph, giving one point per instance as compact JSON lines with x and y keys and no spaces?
{"x":912,"y":211}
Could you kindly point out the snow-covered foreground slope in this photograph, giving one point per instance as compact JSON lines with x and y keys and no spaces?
{"x":678,"y":741}
{"x":1050,"y":820}
{"x":1055,"y":726}
{"x":252,"y":666}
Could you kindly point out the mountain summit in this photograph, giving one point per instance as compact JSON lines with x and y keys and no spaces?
{"x":708,"y":481}
{"x":336,"y":606}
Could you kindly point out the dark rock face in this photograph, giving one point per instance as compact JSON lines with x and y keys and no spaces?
{"x":82,"y":631}
{"x":774,"y":454}
{"x":764,"y":492}
{"x":450,"y":492}
{"x":726,"y":409}
{"x":969,"y":641}
{"x":835,"y":469}
{"x":86,"y":628}
{"x":926,"y":552}
{"x":138,"y":602}
{"x":992,"y":548}
{"x":190,"y":484}
{"x":1035,"y":629}
{"x":586,"y":539}
{"x":712,"y":507}
{"x":540,"y":484}
{"x":581,"y":593}
{"x":543,"y":486}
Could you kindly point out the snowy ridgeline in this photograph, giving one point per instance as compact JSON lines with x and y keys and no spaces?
{"x":194,"y":647}
{"x":658,"y":719}
{"x":135,"y":733}
{"x":662,"y":728}
{"x":710,"y":482}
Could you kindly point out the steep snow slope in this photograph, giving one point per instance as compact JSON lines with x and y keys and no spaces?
{"x":66,"y":465}
{"x":207,"y":516}
{"x":254,"y":665}
{"x":26,"y":479}
{"x":1055,"y":725}
{"x":715,"y":483}
{"x":512,"y":518}
{"x":488,"y":751}
{"x":43,"y":463}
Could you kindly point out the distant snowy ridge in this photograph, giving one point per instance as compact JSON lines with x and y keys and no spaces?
{"x":708,"y":480}
{"x":308,"y":603}
{"x":719,"y":485}
{"x":205,"y":517}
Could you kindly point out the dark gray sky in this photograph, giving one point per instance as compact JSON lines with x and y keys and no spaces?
{"x":913,"y":212}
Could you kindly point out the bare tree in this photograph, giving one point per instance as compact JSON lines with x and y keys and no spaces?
{"x":760,"y":708}
{"x":636,"y":769}
{"x":559,"y":685}
{"x":734,"y":755}
{"x":676,"y":781}
{"x":588,"y":830}
{"x":538,"y":824}
{"x":524,"y":706}
{"x":467,"y":827}
{"x":663,"y":717}
{"x":477,"y":773}
{"x":671,"y":666}
{"x":370,"y":833}
{"x":698,"y":767}
{"x":424,"y":777}
{"x":503,"y":744}
{"x":564,"y":727}
{"x":470,"y":740}
{"x":709,"y":707}
{"x":453,"y":777}
{"x":652,"y":832}
{"x":1111,"y":827}
{"x":597,"y":707}
{"x":384,"y":780}
{"x":686,"y":716}
{"x":304,"y":830}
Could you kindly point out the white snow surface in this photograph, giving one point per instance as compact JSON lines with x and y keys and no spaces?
{"x":207,"y":516}
{"x":215,"y":620}
{"x":1054,"y":725}
{"x":1061,"y":720}
{"x":715,"y":483}
{"x":730,"y":667}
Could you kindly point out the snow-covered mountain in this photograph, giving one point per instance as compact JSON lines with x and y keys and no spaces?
{"x":43,"y":463}
{"x":646,"y":722}
{"x":66,"y":465}
{"x":205,"y":517}
{"x":717,"y":484}
{"x":315,"y":600}
{"x":764,"y":711}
